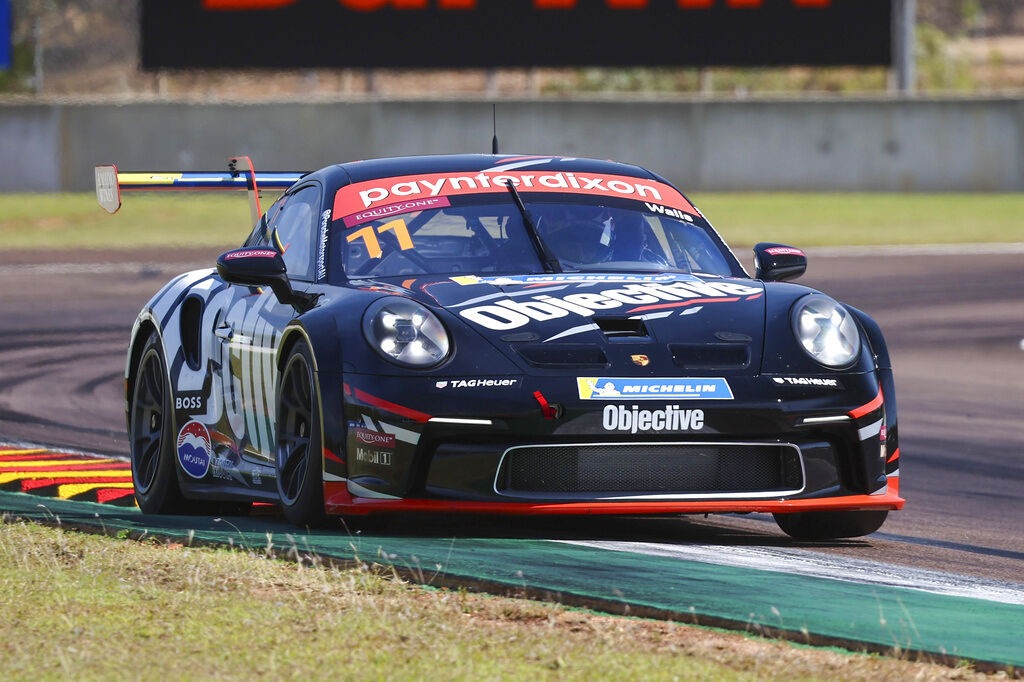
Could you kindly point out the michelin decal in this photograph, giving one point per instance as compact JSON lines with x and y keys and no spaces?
{"x":647,"y":388}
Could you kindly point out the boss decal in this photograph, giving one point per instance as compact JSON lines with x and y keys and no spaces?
{"x":634,"y":420}
{"x":508,"y":314}
{"x":191,"y":402}
{"x":194,"y":449}
{"x":673,"y":388}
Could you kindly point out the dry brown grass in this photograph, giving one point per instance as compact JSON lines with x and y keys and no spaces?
{"x":89,"y":607}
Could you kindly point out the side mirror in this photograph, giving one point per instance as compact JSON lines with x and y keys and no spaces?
{"x":778,"y":262}
{"x":262,"y":267}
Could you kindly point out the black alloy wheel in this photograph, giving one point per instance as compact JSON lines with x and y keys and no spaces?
{"x":299,"y":441}
{"x":152,"y":443}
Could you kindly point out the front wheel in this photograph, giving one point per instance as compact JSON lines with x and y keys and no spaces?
{"x":830,"y":525}
{"x":299,"y":441}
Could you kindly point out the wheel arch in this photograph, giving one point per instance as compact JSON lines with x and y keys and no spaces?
{"x":886,"y":382}
{"x":292,"y":335}
{"x":879,"y":349}
{"x":145,"y":326}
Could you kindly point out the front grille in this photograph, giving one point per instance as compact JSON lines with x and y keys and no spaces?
{"x":690,"y":469}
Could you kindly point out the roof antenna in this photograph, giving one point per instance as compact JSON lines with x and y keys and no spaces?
{"x":494,"y":121}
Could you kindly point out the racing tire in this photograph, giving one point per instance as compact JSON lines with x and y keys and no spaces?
{"x":299,"y":449}
{"x":154,"y":472}
{"x":830,"y":525}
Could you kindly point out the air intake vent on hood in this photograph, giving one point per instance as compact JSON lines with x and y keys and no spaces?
{"x":558,"y":355}
{"x":617,"y":327}
{"x":710,"y":355}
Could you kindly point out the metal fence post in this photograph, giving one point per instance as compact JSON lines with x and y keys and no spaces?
{"x":904,"y":45}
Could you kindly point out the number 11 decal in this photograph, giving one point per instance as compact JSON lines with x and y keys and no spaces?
{"x":373,"y":244}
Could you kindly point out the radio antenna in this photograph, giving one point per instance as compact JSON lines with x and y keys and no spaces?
{"x":494,"y":123}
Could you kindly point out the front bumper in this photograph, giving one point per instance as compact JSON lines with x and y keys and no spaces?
{"x":398,"y":455}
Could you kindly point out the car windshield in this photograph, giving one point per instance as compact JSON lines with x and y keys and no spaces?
{"x":486,"y":235}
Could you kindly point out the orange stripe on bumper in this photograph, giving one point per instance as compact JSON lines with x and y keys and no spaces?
{"x":337,"y":500}
{"x":868,"y":408}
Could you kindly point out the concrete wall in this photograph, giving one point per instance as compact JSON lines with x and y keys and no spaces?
{"x":844,"y":145}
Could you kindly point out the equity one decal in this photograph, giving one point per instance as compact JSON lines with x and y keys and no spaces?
{"x":375,"y":438}
{"x":633,"y":419}
{"x":512,"y":314}
{"x":194,"y":449}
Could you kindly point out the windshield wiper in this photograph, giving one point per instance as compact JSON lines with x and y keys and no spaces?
{"x":549,"y":259}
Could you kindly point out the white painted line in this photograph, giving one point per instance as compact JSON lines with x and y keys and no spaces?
{"x":97,"y":268}
{"x":819,"y":565}
{"x":977,"y":249}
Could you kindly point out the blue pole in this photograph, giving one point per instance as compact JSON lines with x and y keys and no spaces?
{"x":5,"y":34}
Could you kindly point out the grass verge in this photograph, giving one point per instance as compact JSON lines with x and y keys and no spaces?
{"x":55,"y":221}
{"x":862,"y":219}
{"x":89,"y":607}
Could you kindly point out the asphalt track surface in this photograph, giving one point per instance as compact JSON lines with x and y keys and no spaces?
{"x":954,"y":322}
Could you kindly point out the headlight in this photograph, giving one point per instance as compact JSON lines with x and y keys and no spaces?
{"x":826,"y":331}
{"x":405,"y":333}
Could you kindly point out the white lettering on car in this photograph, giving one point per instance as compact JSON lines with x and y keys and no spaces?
{"x":424,"y":186}
{"x":510,"y":314}
{"x":635,"y":420}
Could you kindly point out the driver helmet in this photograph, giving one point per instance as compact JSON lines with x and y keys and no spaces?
{"x":576,"y":233}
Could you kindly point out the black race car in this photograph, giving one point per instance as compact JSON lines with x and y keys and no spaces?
{"x":506,"y":335}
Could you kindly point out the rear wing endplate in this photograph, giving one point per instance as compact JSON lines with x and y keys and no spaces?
{"x":240,"y":176}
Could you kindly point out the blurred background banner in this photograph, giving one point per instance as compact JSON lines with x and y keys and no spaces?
{"x":5,"y":34}
{"x":513,"y":33}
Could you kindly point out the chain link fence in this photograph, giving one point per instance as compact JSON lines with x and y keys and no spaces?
{"x":90,"y":48}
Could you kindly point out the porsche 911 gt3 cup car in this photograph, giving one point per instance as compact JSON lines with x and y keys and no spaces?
{"x":507,"y":335}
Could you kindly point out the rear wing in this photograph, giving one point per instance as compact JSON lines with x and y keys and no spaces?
{"x":240,"y":176}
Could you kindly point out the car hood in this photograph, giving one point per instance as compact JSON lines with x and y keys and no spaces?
{"x":632,"y":325}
